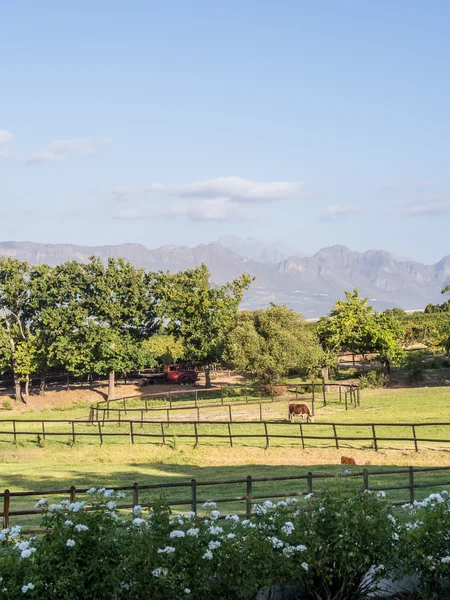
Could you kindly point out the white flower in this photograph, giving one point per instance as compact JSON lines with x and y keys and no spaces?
{"x":81,"y":527}
{"x":68,"y":523}
{"x":91,"y":491}
{"x":108,"y":493}
{"x":65,"y":502}
{"x":288,"y":528}
{"x":137,"y":510}
{"x":166,"y":550}
{"x":234,"y":518}
{"x":276,"y":543}
{"x":40,"y":503}
{"x":381,"y":494}
{"x":29,"y":586}
{"x":75,"y":506}
{"x":213,"y":545}
{"x":189,"y":515}
{"x":300,"y":548}
{"x":215,"y":530}
{"x":55,"y":507}
{"x":209,"y":505}
{"x":392,"y":519}
{"x":268,"y":504}
{"x":215,"y":514}
{"x":305,"y":566}
{"x":111,"y":505}
{"x":395,"y":537}
{"x":70,"y":543}
{"x":193,"y":531}
{"x":15,"y":532}
{"x":26,"y":553}
{"x":187,"y":591}
{"x":309,"y":496}
{"x":208,"y":555}
{"x":177,"y":533}
{"x":445,"y":559}
{"x":159,"y":571}
{"x":288,"y":551}
{"x":138,"y":522}
{"x":120,"y":495}
{"x":231,"y":536}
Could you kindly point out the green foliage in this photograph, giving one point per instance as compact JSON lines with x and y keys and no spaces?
{"x":271,"y":343}
{"x":325,"y":546}
{"x":373,"y":379}
{"x":415,"y":367}
{"x":197,"y":312}
{"x":165,"y":349}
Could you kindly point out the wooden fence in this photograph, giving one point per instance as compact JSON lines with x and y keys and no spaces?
{"x":248,"y":497}
{"x":349,"y":394}
{"x":266,"y":431}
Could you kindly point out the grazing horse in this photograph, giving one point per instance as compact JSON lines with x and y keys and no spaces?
{"x":299,"y":409}
{"x":345,"y":460}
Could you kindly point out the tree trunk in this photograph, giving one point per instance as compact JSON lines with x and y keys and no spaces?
{"x":27,"y":387}
{"x":207,"y":377}
{"x":111,"y":386}
{"x":17,"y":389}
{"x":43,"y":384}
{"x":325,"y":378}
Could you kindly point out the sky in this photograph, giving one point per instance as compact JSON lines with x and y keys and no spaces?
{"x":174,"y":122}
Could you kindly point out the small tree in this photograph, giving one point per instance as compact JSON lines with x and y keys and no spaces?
{"x":272,"y":342}
{"x":199,"y":313}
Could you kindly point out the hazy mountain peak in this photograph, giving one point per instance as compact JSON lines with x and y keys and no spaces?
{"x":260,"y":250}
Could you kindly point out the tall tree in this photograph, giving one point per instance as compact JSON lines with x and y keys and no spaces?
{"x":14,"y":311}
{"x":199,"y":313}
{"x":272,"y":342}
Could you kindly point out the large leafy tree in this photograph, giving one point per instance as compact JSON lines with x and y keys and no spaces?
{"x":272,"y":342}
{"x":14,"y":315}
{"x":199,"y":313}
{"x":353,"y":326}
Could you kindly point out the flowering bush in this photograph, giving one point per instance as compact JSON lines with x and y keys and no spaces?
{"x":334,"y":546}
{"x":426,"y":545}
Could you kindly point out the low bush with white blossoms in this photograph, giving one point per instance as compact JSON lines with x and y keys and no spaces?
{"x":333,"y":546}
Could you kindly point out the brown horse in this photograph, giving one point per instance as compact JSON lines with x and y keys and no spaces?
{"x":299,"y":409}
{"x":346,"y":460}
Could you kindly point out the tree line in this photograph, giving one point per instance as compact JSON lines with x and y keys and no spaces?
{"x":85,"y":318}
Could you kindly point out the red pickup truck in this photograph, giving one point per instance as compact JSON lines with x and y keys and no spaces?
{"x":173,"y":374}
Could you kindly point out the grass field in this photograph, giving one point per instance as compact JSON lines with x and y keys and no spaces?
{"x":57,"y":464}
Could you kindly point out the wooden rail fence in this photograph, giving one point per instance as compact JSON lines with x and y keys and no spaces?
{"x":248,"y":497}
{"x":162,"y":430}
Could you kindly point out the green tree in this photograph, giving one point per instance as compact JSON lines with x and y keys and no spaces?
{"x":199,"y":313}
{"x":14,"y":312}
{"x":165,"y":349}
{"x":272,"y":342}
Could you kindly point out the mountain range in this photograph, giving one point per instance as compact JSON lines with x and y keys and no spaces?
{"x":307,"y":284}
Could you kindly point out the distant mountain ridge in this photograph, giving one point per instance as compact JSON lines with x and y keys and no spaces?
{"x":308,"y":284}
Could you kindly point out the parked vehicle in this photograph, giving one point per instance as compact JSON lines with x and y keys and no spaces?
{"x":182,"y":374}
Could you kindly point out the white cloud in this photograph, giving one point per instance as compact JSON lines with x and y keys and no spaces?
{"x":220,"y":199}
{"x":6,"y":137}
{"x":59,"y":150}
{"x":429,"y":209}
{"x":336,"y":211}
{"x":233,"y":188}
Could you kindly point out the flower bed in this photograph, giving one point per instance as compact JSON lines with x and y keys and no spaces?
{"x":333,"y":547}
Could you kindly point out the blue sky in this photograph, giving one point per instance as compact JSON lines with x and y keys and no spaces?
{"x":175,"y":122}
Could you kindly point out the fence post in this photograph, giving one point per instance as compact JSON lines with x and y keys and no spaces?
{"x":301,"y":435}
{"x":312,"y":405}
{"x":43,"y":431}
{"x":229,"y":433}
{"x":229,"y":413}
{"x":345,"y":394}
{"x":107,"y":408}
{"x":6,"y":500}
{"x":15,"y":433}
{"x":324,"y":395}
{"x":248,"y":510}
{"x":146,"y":404}
{"x":73,"y":493}
{"x":131,"y":432}
{"x":335,"y":437}
{"x":73,"y":433}
{"x":415,"y":438}
{"x":170,"y":400}
{"x":310,"y":482}
{"x":366,"y":479}
{"x":358,"y":392}
{"x":100,"y":432}
{"x":135,"y":494}
{"x":198,"y":414}
{"x":374,"y":438}
{"x":163,"y":434}
{"x":221,"y":394}
{"x":246,"y":397}
{"x":271,"y":391}
{"x":296,"y":392}
{"x":125,"y":405}
{"x":340,"y":393}
{"x":168,"y":415}
{"x":267,"y":436}
{"x":196,"y":435}
{"x":194,"y":496}
{"x":411,"y":485}
{"x":260,"y":412}
{"x":196,"y":397}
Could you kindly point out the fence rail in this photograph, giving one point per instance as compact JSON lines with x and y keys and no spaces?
{"x":248,"y":497}
{"x":265,"y":431}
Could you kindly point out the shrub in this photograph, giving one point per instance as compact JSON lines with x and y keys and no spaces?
{"x":7,"y":405}
{"x":373,"y":379}
{"x":426,"y":545}
{"x":415,"y":368}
